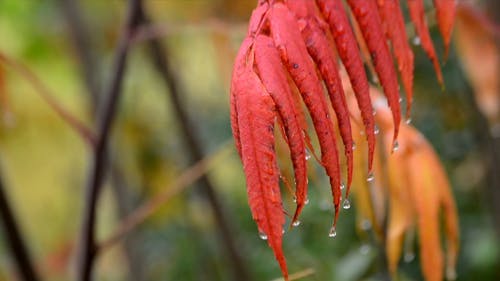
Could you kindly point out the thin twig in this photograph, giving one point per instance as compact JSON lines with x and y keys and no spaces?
{"x":81,"y":129}
{"x":183,"y":181}
{"x":194,"y":150}
{"x":106,"y":114}
{"x":298,"y":275}
{"x":14,"y":239}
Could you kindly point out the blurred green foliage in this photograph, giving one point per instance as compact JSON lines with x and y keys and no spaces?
{"x":44,"y":162}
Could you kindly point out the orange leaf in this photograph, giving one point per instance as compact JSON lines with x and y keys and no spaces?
{"x":427,"y":208}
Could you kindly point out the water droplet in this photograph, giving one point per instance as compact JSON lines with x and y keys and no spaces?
{"x":395,"y":146}
{"x":308,"y":155}
{"x":375,"y":79}
{"x":365,"y":248}
{"x":366,"y":225}
{"x":296,"y":223}
{"x":416,"y":41}
{"x":409,"y":257}
{"x":333,"y":232}
{"x":400,"y":100}
{"x":376,"y":130}
{"x":353,"y":145}
{"x":451,"y":273}
{"x":370,"y":177}
{"x":282,"y":231}
{"x":374,"y":112}
{"x":263,"y":236}
{"x":294,"y":199}
{"x":347,"y":204}
{"x":342,"y":185}
{"x":295,"y":65}
{"x":307,"y":201}
{"x":408,"y":121}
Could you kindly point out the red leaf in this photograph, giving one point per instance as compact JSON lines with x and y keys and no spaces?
{"x":369,"y":21}
{"x":347,"y":48}
{"x":395,"y":29}
{"x":239,"y":65}
{"x":320,"y":50}
{"x":417,"y":15}
{"x":286,"y":35}
{"x":445,"y":14}
{"x":272,"y":74}
{"x":257,"y":18}
{"x":256,"y":117}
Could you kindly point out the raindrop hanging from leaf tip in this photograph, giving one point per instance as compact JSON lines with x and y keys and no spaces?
{"x":333,"y":232}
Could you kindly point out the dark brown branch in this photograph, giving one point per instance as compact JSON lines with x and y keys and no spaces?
{"x":105,"y":117}
{"x":14,"y":239}
{"x":80,"y":36}
{"x":194,"y":151}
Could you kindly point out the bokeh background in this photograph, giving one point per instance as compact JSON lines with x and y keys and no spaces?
{"x":44,"y":163}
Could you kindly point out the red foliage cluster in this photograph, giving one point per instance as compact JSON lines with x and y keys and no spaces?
{"x":290,"y":50}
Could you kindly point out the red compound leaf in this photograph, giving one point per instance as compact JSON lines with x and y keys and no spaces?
{"x":287,"y":37}
{"x":369,"y":21}
{"x":395,"y":30}
{"x":336,"y":16}
{"x":273,"y":76}
{"x":417,"y":15}
{"x":289,"y":58}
